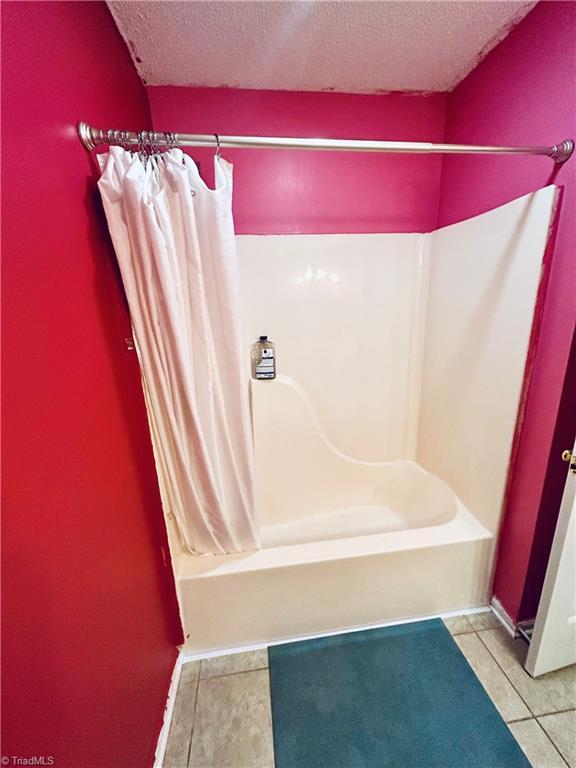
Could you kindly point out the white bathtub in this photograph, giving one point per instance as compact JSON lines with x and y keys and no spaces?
{"x":345,"y":542}
{"x":395,"y":496}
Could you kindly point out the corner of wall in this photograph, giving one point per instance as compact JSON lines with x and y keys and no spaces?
{"x":418,"y":346}
{"x":443,"y":159}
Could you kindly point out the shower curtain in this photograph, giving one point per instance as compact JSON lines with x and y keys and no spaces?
{"x":174,"y":241}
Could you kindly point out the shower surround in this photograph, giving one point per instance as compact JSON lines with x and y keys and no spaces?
{"x":382,"y":448}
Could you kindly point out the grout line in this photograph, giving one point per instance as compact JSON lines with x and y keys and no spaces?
{"x":529,"y":719}
{"x":552,"y":743}
{"x":519,"y":720}
{"x":238,"y":672}
{"x":556,"y":712}
{"x":543,"y":714}
{"x":193,"y":716}
{"x":528,"y":707}
{"x":532,"y":716}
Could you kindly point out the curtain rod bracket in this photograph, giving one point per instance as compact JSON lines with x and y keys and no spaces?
{"x":85,"y":133}
{"x":562,"y":152}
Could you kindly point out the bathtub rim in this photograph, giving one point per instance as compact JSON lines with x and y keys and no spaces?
{"x":463,"y":527}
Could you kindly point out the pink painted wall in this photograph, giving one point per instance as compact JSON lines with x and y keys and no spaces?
{"x":280,"y":192}
{"x":524,"y":92}
{"x":89,"y":620}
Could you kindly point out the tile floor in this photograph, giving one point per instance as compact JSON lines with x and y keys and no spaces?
{"x":222,"y":716}
{"x":540,"y":713}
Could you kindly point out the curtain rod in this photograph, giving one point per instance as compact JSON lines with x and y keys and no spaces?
{"x":93,"y":137}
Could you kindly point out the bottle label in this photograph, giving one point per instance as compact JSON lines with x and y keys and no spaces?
{"x":266,"y":367}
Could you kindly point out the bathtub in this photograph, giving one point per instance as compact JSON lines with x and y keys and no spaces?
{"x":346,"y":543}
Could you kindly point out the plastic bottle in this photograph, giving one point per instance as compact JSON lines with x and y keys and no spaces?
{"x":263,"y":359}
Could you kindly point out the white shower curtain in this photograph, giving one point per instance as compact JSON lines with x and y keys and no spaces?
{"x":174,"y":240}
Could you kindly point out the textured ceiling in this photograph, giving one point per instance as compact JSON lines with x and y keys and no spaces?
{"x":359,"y":47}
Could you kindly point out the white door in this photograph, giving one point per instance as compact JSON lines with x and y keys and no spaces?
{"x":553,"y":642}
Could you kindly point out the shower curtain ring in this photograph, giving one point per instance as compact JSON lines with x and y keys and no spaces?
{"x":217,"y":144}
{"x":153,"y":137}
{"x":148,"y":143}
{"x":142,"y":146}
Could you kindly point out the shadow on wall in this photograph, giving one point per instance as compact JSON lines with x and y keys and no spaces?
{"x":564,"y":435}
{"x":116,"y":328}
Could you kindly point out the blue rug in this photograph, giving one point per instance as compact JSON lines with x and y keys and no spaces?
{"x":398,"y":697}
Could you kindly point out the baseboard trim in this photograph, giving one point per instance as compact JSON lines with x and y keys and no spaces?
{"x":168,"y":710}
{"x":525,"y":629}
{"x":499,"y":611}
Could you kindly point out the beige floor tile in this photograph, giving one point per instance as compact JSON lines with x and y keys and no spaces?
{"x":233,"y":662}
{"x":561,"y":728}
{"x":485,"y":620}
{"x":233,"y":723}
{"x":536,"y":745}
{"x":495,"y":682}
{"x":180,"y":733}
{"x":553,"y":692}
{"x":457,"y":625}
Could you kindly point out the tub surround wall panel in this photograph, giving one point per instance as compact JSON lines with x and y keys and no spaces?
{"x":306,"y":490}
{"x":477,"y":283}
{"x":89,"y":619}
{"x":344,"y":313}
{"x":484,"y":279}
{"x":289,"y":192}
{"x":524,"y":92}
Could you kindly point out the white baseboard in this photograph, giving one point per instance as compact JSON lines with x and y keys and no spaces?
{"x":168,"y":710}
{"x":499,"y":611}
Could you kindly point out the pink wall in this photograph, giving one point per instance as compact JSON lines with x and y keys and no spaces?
{"x":312,"y":192}
{"x":524,"y":92}
{"x":89,"y":623}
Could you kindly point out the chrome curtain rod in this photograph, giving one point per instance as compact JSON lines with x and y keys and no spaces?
{"x":93,"y":137}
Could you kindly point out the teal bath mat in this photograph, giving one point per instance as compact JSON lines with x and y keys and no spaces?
{"x":398,"y":697}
